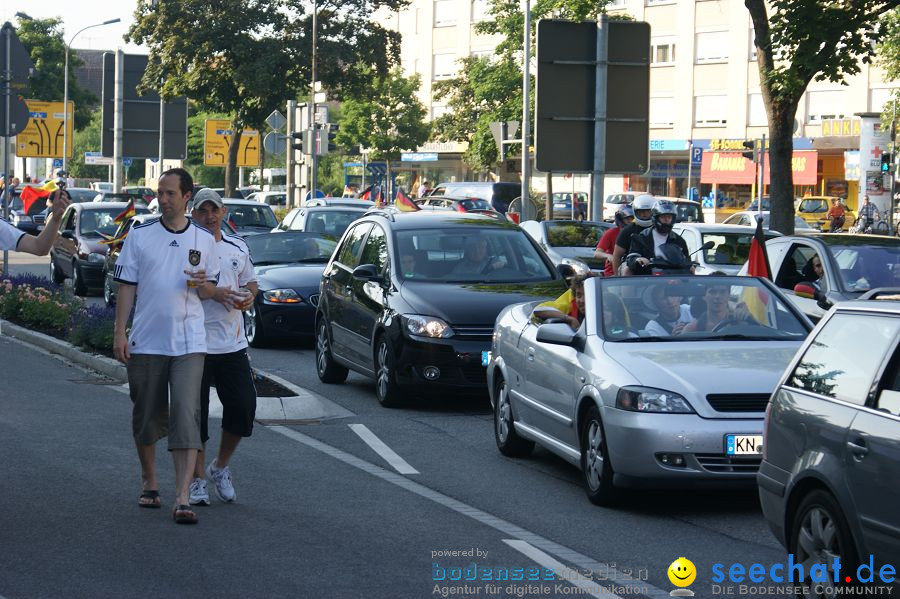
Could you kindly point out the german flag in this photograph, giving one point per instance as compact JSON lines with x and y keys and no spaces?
{"x":757,"y":300}
{"x":404,"y":203}
{"x":125,"y":214}
{"x":110,"y":240}
{"x":366,"y":194}
{"x":31,"y":194}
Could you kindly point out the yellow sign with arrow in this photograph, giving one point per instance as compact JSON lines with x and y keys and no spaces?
{"x":217,"y":139}
{"x":43,"y":136}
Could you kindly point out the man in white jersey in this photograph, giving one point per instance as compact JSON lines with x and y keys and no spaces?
{"x":170,"y":265}
{"x":227,"y":365}
{"x":12,"y":238}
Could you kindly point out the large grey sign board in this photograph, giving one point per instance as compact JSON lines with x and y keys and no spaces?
{"x":565,"y":109}
{"x":141,"y":114}
{"x":20,"y":67}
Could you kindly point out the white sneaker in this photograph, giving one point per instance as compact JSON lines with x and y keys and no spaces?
{"x":198,"y":493}
{"x":221,"y":479}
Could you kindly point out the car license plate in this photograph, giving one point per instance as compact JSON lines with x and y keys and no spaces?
{"x":485,"y":358}
{"x":40,"y":227}
{"x":743,"y":444}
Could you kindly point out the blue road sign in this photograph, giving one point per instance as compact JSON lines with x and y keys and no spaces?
{"x":696,"y":156}
{"x":126,"y":162}
{"x":319,"y":194}
{"x":57,"y":163}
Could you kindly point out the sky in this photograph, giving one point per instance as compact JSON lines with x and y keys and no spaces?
{"x":81,"y":13}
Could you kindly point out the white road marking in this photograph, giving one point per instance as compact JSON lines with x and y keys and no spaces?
{"x":590,"y":587}
{"x":507,"y":529}
{"x":379,"y":447}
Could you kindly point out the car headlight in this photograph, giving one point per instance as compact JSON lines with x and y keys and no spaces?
{"x":96,"y":258}
{"x":643,"y":399}
{"x":282,"y":296}
{"x":426,"y":326}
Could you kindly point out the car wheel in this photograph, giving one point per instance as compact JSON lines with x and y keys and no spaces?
{"x":385,"y":377}
{"x":595,"y":466}
{"x":328,"y":370}
{"x":78,"y":285}
{"x":55,"y":274}
{"x":253,"y":327}
{"x":109,"y":298}
{"x":819,"y":535}
{"x":508,"y":440}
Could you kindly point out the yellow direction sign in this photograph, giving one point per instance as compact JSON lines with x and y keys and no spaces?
{"x":218,"y":139}
{"x":43,"y":137}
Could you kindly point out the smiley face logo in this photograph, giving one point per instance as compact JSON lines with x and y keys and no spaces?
{"x":682,"y":572}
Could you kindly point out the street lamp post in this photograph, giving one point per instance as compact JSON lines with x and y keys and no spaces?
{"x":65,"y":156}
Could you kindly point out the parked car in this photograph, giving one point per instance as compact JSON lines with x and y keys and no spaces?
{"x":146,"y":193}
{"x":852,"y":265}
{"x":272,"y":198}
{"x":562,"y":206}
{"x":329,"y":221}
{"x":410,"y":299}
{"x":17,"y":215}
{"x":249,"y":217}
{"x":102,"y":186}
{"x":569,"y":242}
{"x":110,"y":285}
{"x":237,"y":194}
{"x":457,"y":204}
{"x":814,"y":210}
{"x":339,"y":202}
{"x":108,"y":196}
{"x":614,"y":201}
{"x":730,"y":250}
{"x":633,"y":407}
{"x":498,"y":194}
{"x":289,"y":270}
{"x":747,"y":218}
{"x":687,"y":211}
{"x":830,"y":475}
{"x":77,"y":253}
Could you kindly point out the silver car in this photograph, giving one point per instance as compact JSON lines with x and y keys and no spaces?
{"x":730,"y":248}
{"x":830,"y":478}
{"x":636,"y":401}
{"x":569,"y":242}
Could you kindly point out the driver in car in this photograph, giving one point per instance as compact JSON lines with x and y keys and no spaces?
{"x":648,"y":244}
{"x":477,"y":260}
{"x":719,"y":312}
{"x":672,"y":315}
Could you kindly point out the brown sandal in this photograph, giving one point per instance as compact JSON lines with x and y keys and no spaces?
{"x":150,"y":499}
{"x":183,"y":514}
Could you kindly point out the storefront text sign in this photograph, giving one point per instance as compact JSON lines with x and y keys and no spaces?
{"x":732,"y":167}
{"x":840,"y":127}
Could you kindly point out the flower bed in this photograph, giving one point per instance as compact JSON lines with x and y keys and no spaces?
{"x":38,"y":304}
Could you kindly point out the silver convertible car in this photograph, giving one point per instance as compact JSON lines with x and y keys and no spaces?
{"x":664,"y":384}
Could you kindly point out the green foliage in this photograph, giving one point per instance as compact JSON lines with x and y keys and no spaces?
{"x":43,"y":38}
{"x":387,"y":120}
{"x":87,"y":140}
{"x":889,"y":59}
{"x":44,"y":305}
{"x":211,"y":176}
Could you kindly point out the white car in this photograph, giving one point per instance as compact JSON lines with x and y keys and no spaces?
{"x":748,"y":218}
{"x":614,"y":201}
{"x":249,"y":217}
{"x":272,"y":198}
{"x":730,"y":249}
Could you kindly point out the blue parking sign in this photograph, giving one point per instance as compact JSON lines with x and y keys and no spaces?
{"x":696,"y":156}
{"x":57,"y":163}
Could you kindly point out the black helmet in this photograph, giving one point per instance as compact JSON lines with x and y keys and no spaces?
{"x":624,"y":211}
{"x":663,"y":207}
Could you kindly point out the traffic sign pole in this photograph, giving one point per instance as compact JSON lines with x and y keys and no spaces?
{"x":599,"y":121}
{"x":7,"y":92}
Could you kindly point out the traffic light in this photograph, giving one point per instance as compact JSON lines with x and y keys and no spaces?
{"x":752,"y":153}
{"x":329,"y":145}
{"x":299,"y":137}
{"x":886,"y":160}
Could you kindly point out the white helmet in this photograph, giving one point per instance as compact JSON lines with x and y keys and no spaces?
{"x":644,"y":201}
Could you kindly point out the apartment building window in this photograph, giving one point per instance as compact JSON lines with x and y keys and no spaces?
{"x":712,"y":46}
{"x":655,"y":2}
{"x":439,"y":110}
{"x":662,"y":112}
{"x":879,"y":96}
{"x":752,"y":52}
{"x":662,"y":51}
{"x":756,"y":111}
{"x":489,"y":54}
{"x":710,"y":111}
{"x":614,"y":4}
{"x":444,"y":13}
{"x":444,"y":66}
{"x":825,"y":104}
{"x":480,"y":10}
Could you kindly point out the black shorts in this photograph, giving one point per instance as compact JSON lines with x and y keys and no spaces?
{"x":233,"y":380}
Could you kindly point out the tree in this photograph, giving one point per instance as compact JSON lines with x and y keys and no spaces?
{"x":43,"y":39}
{"x":87,"y":140}
{"x":800,"y":41}
{"x":388,"y":120}
{"x":247,"y":57}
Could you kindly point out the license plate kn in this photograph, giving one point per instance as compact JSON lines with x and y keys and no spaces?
{"x":743,"y":444}
{"x":485,"y":358}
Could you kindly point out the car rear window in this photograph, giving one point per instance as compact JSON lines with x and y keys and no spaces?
{"x":574,"y":234}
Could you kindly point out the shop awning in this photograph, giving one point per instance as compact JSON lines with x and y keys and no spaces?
{"x":732,"y":167}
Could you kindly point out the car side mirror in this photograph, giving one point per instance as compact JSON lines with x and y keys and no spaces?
{"x":368,"y":273}
{"x":809,"y":292}
{"x":557,"y":334}
{"x":566,"y":271}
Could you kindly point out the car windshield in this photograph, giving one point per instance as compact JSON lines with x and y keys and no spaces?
{"x":688,"y":213}
{"x":816,"y":205}
{"x":82,"y":195}
{"x":93,"y":222}
{"x":475,"y":204}
{"x":329,"y":223}
{"x":471,"y":254}
{"x":243,"y":215}
{"x":729,"y":247}
{"x":289,"y":247}
{"x":645,"y":309}
{"x":581,"y":235}
{"x":864,"y":267}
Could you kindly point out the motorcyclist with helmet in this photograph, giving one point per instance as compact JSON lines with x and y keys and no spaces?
{"x":650,"y":242}
{"x":607,"y":244}
{"x":643,"y":211}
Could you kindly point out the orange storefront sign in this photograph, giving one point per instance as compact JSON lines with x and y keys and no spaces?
{"x":732,"y":167}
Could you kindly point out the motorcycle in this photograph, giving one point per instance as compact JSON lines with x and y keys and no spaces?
{"x":672,"y":261}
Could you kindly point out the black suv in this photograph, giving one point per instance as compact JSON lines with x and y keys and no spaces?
{"x":410,"y":298}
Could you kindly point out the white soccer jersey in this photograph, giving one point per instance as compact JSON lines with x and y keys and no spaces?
{"x":9,"y":236}
{"x":224,"y":326}
{"x":168,"y":316}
